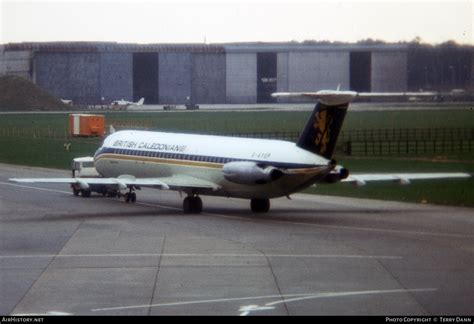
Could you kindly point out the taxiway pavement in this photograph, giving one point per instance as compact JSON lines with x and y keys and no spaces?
{"x":312,"y":255}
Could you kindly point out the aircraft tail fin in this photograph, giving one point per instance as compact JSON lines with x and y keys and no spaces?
{"x":325,"y":122}
{"x":322,"y":129}
{"x":140,"y":102}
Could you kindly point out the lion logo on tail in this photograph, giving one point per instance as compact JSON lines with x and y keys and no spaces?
{"x":322,"y":123}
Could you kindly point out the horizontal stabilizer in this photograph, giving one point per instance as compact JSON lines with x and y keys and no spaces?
{"x":326,"y":97}
{"x":395,"y":94}
{"x":336,"y":97}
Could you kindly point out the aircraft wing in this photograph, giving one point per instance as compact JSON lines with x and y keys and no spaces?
{"x":185,"y":181}
{"x":402,"y":178}
{"x":125,"y":181}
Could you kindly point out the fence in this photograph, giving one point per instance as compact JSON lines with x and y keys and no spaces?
{"x":407,"y":134}
{"x":397,"y":141}
{"x":405,"y":147}
{"x":357,"y":142}
{"x":34,"y":133}
{"x":408,"y":141}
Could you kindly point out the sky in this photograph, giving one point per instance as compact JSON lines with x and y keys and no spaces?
{"x":221,"y":21}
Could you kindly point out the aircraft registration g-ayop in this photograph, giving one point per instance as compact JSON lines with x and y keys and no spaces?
{"x":254,"y":169}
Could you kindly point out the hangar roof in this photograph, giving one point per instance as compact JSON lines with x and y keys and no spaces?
{"x":112,"y":47}
{"x":242,"y":47}
{"x":310,"y":47}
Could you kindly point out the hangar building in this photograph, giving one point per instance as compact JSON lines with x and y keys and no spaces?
{"x":98,"y":73}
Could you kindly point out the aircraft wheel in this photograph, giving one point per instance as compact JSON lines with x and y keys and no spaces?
{"x":260,"y":205}
{"x":130,"y":197}
{"x":192,"y":205}
{"x":187,"y":205}
{"x":197,"y":205}
{"x":76,"y":192}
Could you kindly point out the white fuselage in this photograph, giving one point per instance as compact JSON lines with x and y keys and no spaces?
{"x":144,"y":154}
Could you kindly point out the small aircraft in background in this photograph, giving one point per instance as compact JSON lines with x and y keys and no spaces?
{"x":125,"y":103}
{"x":67,"y":101}
{"x":254,"y":169}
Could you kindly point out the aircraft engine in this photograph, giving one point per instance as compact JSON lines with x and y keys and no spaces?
{"x":247,"y":172}
{"x":336,"y":175}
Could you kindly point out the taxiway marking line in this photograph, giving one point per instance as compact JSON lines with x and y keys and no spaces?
{"x":286,"y":298}
{"x":237,"y":255}
{"x":325,"y":226}
{"x":35,"y":188}
{"x":246,"y":310}
{"x":159,"y":206}
{"x":350,"y":228}
{"x":51,"y":313}
{"x":379,"y":230}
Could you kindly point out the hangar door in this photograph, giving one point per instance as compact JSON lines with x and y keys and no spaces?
{"x":266,"y":76}
{"x":145,"y":77}
{"x":360,"y":70}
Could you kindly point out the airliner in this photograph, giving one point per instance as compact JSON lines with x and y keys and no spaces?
{"x":253,"y":169}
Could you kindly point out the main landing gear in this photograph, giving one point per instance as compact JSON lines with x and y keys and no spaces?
{"x":192,"y":205}
{"x":260,"y":205}
{"x":130,"y":196}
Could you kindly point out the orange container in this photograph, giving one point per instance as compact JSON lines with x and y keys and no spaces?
{"x":86,"y":125}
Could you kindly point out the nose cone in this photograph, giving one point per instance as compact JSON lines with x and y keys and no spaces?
{"x":98,"y":152}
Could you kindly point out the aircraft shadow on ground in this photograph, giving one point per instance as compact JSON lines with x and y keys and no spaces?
{"x":317,"y":216}
{"x":326,"y":216}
